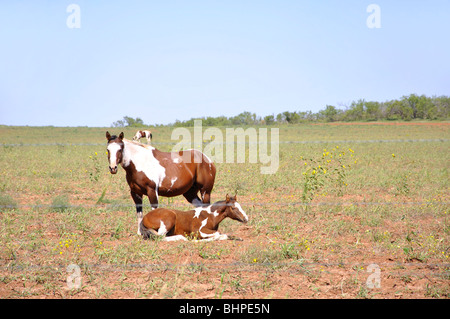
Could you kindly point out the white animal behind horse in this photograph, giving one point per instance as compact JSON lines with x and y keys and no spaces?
{"x":141,"y":134}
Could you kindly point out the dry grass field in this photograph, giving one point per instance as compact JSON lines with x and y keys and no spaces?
{"x":348,"y":203}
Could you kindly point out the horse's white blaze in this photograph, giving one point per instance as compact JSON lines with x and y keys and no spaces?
{"x":162,"y":229}
{"x":238,"y":206}
{"x":144,"y":161}
{"x":113,"y":148}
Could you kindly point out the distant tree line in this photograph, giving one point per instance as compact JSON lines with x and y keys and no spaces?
{"x":406,"y":108}
{"x":129,"y":122}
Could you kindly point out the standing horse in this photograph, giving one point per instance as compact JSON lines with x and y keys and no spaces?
{"x":152,"y":172}
{"x":140,"y":134}
{"x":202,"y":222}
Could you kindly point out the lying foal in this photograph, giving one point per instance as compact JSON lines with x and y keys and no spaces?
{"x":201,"y":222}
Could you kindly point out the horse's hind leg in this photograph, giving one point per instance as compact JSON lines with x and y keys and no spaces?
{"x":157,"y":224}
{"x":147,"y":232}
{"x":206,"y":186}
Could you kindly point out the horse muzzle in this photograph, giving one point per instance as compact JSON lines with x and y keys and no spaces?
{"x":113,"y":170}
{"x":243,"y":220}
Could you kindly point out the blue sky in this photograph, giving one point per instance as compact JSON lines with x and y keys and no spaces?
{"x":169,"y":60}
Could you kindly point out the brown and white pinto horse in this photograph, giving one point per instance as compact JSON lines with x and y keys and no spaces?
{"x":140,"y":134}
{"x":200,"y":223}
{"x":152,"y":172}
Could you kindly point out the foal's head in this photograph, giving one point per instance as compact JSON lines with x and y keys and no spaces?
{"x":115,"y":151}
{"x":234,"y":210}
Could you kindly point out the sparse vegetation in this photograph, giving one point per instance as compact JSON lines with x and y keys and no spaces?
{"x":61,"y":206}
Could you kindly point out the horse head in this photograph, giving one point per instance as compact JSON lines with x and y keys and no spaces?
{"x":115,"y":151}
{"x":137,"y":136}
{"x":234,"y":210}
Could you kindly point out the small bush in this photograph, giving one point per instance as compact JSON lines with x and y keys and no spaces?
{"x":7,"y":202}
{"x":60,"y":204}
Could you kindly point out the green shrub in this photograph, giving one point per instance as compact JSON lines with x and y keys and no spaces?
{"x":60,"y":204}
{"x":7,"y":202}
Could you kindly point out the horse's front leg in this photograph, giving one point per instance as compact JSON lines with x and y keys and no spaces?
{"x":153,"y":197}
{"x":138,"y":202}
{"x":209,"y":235}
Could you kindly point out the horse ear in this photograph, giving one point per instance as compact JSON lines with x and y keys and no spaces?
{"x":228,"y":198}
{"x":108,"y":136}
{"x":121,"y":135}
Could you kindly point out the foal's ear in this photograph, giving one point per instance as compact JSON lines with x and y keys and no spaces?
{"x":121,"y":135}
{"x":108,"y":136}
{"x":228,"y":199}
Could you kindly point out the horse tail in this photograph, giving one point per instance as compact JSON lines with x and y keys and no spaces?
{"x":146,"y":232}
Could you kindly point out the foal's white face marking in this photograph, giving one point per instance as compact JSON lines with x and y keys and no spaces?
{"x":238,"y":206}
